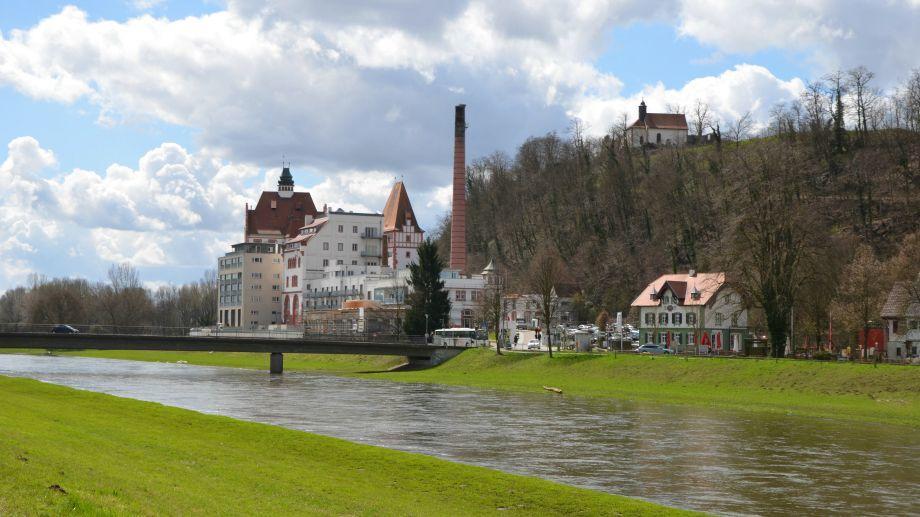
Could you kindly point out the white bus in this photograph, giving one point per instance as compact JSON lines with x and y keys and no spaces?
{"x":458,"y":337}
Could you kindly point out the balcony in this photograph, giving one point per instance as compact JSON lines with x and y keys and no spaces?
{"x":371,"y":235}
{"x":373,"y":254}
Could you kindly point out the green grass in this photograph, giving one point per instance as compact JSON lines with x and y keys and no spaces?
{"x":114,"y":456}
{"x":883,"y":393}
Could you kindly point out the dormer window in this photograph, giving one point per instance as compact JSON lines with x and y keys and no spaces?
{"x":274,"y":204}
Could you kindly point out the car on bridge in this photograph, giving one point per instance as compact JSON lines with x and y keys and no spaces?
{"x":64,"y":329}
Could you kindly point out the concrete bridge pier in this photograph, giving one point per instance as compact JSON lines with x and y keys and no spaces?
{"x":276,"y":363}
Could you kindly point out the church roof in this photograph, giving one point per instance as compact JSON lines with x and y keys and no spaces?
{"x":398,"y":210}
{"x":276,"y":214}
{"x":662,"y":121}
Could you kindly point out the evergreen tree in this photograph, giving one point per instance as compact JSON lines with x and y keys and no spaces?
{"x":428,"y":295}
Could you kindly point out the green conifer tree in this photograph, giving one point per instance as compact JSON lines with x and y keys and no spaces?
{"x":428,"y":295}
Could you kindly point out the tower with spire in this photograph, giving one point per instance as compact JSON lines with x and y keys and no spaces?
{"x":286,"y":182}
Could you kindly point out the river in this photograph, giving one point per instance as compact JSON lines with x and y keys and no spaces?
{"x":726,"y":462}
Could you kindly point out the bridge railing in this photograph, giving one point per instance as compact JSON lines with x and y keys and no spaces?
{"x":291,"y":333}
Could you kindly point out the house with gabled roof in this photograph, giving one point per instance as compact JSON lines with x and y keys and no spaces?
{"x":692,"y":312}
{"x":657,"y":129}
{"x":901,"y":317}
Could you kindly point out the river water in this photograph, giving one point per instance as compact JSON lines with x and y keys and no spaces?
{"x":719,"y":461}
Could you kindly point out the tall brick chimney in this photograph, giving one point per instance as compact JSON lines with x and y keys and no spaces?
{"x":458,"y":206}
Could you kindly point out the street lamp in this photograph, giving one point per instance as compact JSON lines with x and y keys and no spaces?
{"x":426,"y":328}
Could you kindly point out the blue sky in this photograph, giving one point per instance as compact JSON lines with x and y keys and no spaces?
{"x":196,"y":101}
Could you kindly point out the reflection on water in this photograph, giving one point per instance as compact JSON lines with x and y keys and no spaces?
{"x":714,"y":460}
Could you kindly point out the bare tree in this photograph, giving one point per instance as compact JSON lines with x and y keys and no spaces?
{"x":740,"y":128}
{"x":860,"y":299}
{"x":774,"y":243}
{"x":492,"y":306}
{"x":700,"y":118}
{"x":545,"y":274}
{"x":865,"y":97}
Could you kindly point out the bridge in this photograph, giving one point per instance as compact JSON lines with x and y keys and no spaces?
{"x":274,"y":343}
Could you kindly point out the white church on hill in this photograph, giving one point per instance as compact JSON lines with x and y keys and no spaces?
{"x":657,"y":129}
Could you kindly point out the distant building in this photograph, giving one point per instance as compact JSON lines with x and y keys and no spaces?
{"x":278,"y":215}
{"x":657,"y":129}
{"x":249,"y":285}
{"x":901,"y":317}
{"x":250,"y":277}
{"x":522,"y":311}
{"x":692,"y":312}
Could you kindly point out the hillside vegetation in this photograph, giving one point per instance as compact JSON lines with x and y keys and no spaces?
{"x":796,"y":216}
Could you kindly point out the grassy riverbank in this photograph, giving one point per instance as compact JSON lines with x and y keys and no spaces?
{"x":883,"y":393}
{"x":69,"y":451}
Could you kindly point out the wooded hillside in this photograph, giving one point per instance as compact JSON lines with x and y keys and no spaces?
{"x":784,"y":213}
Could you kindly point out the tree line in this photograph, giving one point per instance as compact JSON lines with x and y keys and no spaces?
{"x":795,"y":211}
{"x":120,"y":301}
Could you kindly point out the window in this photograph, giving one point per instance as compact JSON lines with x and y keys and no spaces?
{"x":354,"y":247}
{"x":294,"y":281}
{"x":325,"y":262}
{"x":691,"y":318}
{"x":257,"y":259}
{"x":354,"y":229}
{"x":341,"y":229}
{"x":339,"y":262}
{"x":408,"y":255}
{"x":691,"y":338}
{"x":354,"y":262}
{"x":340,"y":247}
{"x":256,"y":275}
{"x":735,"y":319}
{"x":276,"y":287}
{"x":276,"y":276}
{"x":677,"y":318}
{"x":658,"y":138}
{"x":325,"y":246}
{"x":649,"y":318}
{"x":662,"y":318}
{"x":719,"y":318}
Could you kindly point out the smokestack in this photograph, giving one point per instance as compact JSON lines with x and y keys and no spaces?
{"x":458,"y":206}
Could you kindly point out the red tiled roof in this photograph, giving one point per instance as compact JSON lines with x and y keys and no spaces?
{"x":398,"y":209}
{"x":285,"y":218}
{"x":663,"y":121}
{"x":707,"y":284}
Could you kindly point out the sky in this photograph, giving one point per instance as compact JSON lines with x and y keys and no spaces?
{"x":137,"y":130}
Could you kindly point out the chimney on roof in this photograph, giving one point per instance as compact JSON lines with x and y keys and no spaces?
{"x":642,"y":111}
{"x":458,"y":205}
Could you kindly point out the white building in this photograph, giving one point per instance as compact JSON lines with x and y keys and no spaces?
{"x":657,"y":129}
{"x":901,"y":315}
{"x":329,"y":260}
{"x":692,"y":312}
{"x":250,"y":277}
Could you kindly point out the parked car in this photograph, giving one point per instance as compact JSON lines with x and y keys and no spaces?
{"x":64,"y":329}
{"x":650,"y":348}
{"x":533,"y":344}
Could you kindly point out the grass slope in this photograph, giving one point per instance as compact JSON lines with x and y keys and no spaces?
{"x":883,"y":393}
{"x":110,"y":455}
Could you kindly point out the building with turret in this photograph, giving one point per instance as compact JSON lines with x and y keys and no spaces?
{"x":657,"y":129}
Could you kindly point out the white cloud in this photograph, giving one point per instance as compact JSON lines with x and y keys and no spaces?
{"x":358,"y":93}
{"x":175,"y":209}
{"x":729,"y":95}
